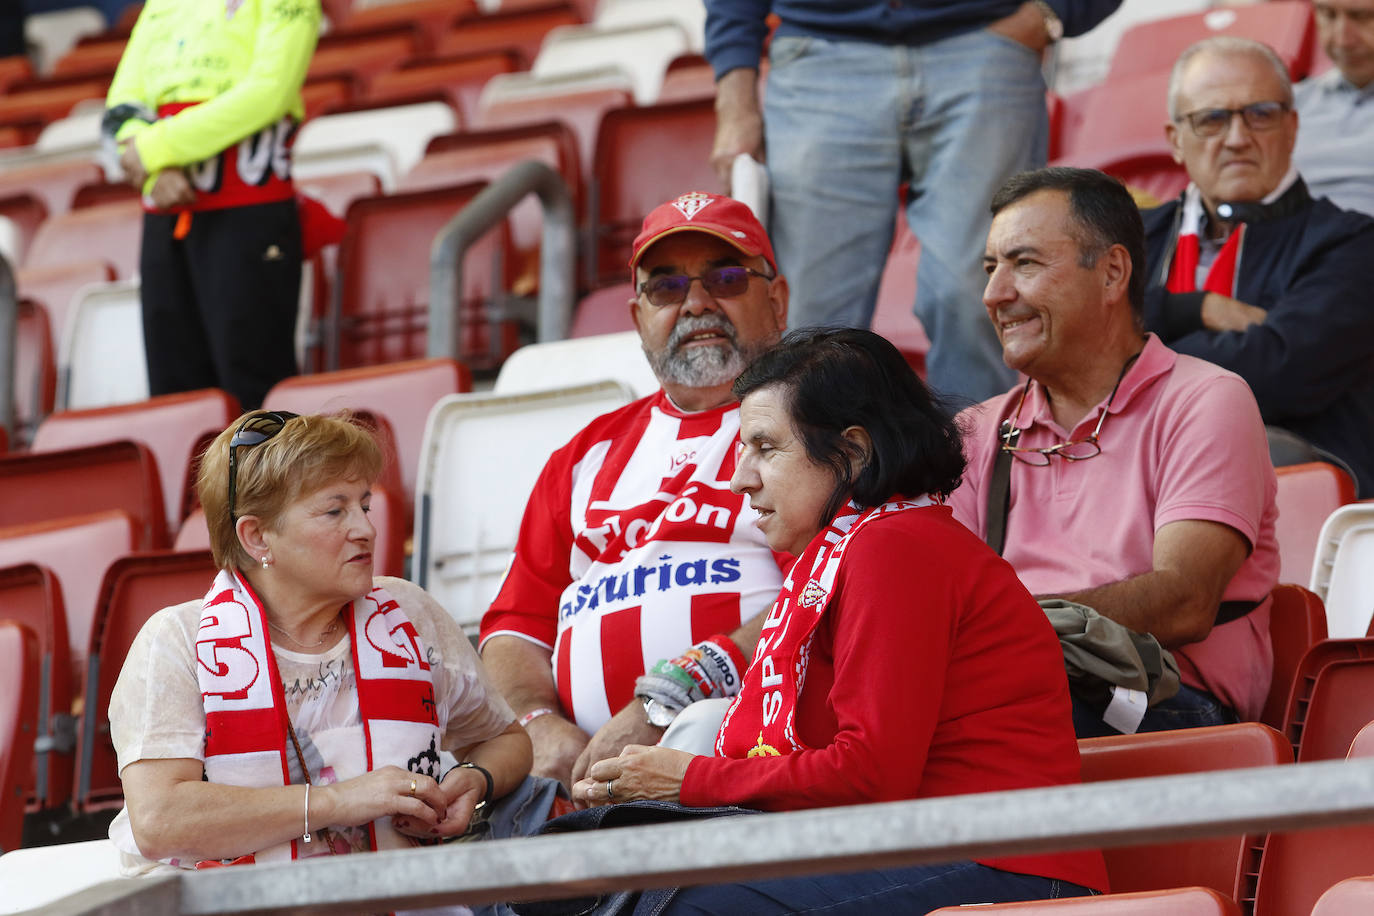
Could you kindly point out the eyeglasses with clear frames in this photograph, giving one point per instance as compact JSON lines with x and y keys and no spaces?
{"x":1213,"y":122}
{"x":1075,"y":450}
{"x":255,"y":430}
{"x":720,"y":282}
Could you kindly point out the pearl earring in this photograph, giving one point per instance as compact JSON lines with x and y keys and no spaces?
{"x":266,"y":562}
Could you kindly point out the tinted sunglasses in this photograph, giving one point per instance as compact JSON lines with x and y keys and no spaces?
{"x":255,"y":430}
{"x":720,"y":282}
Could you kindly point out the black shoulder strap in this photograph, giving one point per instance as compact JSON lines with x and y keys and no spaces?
{"x":999,"y":494}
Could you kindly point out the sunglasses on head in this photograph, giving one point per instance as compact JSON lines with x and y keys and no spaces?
{"x":719,"y":282}
{"x":255,"y":430}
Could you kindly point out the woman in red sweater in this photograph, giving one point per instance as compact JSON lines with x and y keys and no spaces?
{"x":903,"y":659}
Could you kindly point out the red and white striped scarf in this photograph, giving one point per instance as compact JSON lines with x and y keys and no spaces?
{"x":246,"y":741}
{"x":767,"y":702}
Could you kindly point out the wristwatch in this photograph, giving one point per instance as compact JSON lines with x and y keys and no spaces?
{"x":659,"y":714}
{"x":1054,"y":26}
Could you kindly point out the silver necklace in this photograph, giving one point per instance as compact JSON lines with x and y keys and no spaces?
{"x":324,"y":637}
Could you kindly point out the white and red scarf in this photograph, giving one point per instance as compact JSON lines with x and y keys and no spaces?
{"x":761,"y":721}
{"x":1221,"y":276}
{"x":246,"y":741}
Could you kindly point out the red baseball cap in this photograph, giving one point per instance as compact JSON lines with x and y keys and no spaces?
{"x":697,"y":211}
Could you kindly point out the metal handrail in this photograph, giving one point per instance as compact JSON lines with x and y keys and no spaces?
{"x":557,"y":252}
{"x":828,"y":840}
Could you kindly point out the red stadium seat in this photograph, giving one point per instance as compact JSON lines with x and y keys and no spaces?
{"x":29,"y":106}
{"x":78,"y":550}
{"x":1297,"y":621}
{"x":91,"y":58}
{"x":35,"y":368}
{"x":1341,"y":703}
{"x":26,"y":212}
{"x":1351,"y":897}
{"x":54,"y":182}
{"x":361,"y":57}
{"x":484,"y":156}
{"x":19,"y":667}
{"x":604,"y":311}
{"x":14,"y":69}
{"x":1362,"y":745}
{"x":689,"y":78}
{"x":428,"y":18}
{"x":1307,"y":494}
{"x":194,"y":535}
{"x":636,"y":149}
{"x":117,"y":475}
{"x":1117,"y":121}
{"x":1153,"y":46}
{"x":109,"y":232}
{"x":1217,"y":862}
{"x":29,"y":594}
{"x":1313,"y":662}
{"x":170,"y":425}
{"x":1176,"y":901}
{"x":134,"y":588}
{"x":55,"y":286}
{"x":337,"y":191}
{"x":384,"y":272}
{"x":400,"y":393}
{"x":580,"y":109}
{"x":1297,"y":868}
{"x":521,"y":30}
{"x":323,"y":94}
{"x":458,"y":79}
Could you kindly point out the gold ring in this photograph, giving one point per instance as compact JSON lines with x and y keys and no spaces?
{"x":413,"y":786}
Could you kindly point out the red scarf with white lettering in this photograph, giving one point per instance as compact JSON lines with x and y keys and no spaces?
{"x":246,"y":741}
{"x":1221,"y":276}
{"x":761,"y":721}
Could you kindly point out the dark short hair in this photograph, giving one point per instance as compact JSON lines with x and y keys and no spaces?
{"x":835,"y":378}
{"x":1103,"y":212}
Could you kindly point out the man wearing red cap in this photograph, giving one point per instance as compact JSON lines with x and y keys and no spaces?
{"x":636,"y":567}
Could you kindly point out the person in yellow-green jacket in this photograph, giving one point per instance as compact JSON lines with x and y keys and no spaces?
{"x":203,"y":109}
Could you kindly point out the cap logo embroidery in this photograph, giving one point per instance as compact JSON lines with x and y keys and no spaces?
{"x":689,"y":205}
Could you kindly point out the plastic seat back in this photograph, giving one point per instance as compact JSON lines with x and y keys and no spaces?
{"x":53,"y":182}
{"x":1341,"y":703}
{"x":1176,"y":901}
{"x":1297,"y":621}
{"x":19,"y":672}
{"x":403,"y":131}
{"x":29,"y":594}
{"x":134,"y":588}
{"x":1318,"y":656}
{"x":42,"y":486}
{"x":460,"y":79}
{"x":1308,"y":493}
{"x":635,"y":149}
{"x":482,"y":455}
{"x":1298,"y":868}
{"x":35,"y":369}
{"x":57,"y":286}
{"x":1343,"y":571}
{"x":110,"y":232}
{"x":564,"y":363}
{"x":401,"y":393}
{"x":604,"y":311}
{"x":642,"y":50}
{"x":1351,"y":897}
{"x":78,"y":550}
{"x":384,"y":272}
{"x":101,"y":355}
{"x":1217,"y":862}
{"x":170,"y":425}
{"x":1114,"y":120}
{"x":1152,"y":47}
{"x":521,"y":31}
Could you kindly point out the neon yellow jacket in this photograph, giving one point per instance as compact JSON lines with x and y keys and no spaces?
{"x":244,"y":60}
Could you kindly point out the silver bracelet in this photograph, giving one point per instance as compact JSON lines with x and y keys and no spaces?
{"x":307,"y":812}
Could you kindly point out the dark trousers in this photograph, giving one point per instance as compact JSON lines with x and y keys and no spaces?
{"x":219,"y":306}
{"x":1189,"y":708}
{"x":914,"y":890}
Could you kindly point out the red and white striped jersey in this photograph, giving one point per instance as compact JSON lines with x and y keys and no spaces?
{"x":633,"y":548}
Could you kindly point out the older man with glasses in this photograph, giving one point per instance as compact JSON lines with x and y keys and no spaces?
{"x":1121,"y":475}
{"x":1249,"y":271}
{"x":636,"y":567}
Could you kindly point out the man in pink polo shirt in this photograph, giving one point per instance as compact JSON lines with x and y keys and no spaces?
{"x":1138,"y":479}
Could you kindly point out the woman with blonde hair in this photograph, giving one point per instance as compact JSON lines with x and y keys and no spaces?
{"x":301,"y":707}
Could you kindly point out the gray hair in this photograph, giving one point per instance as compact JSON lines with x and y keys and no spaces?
{"x":1221,"y":45}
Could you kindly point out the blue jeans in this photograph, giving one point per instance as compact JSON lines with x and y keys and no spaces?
{"x":845,"y":123}
{"x":1188,"y":708}
{"x":913,"y":890}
